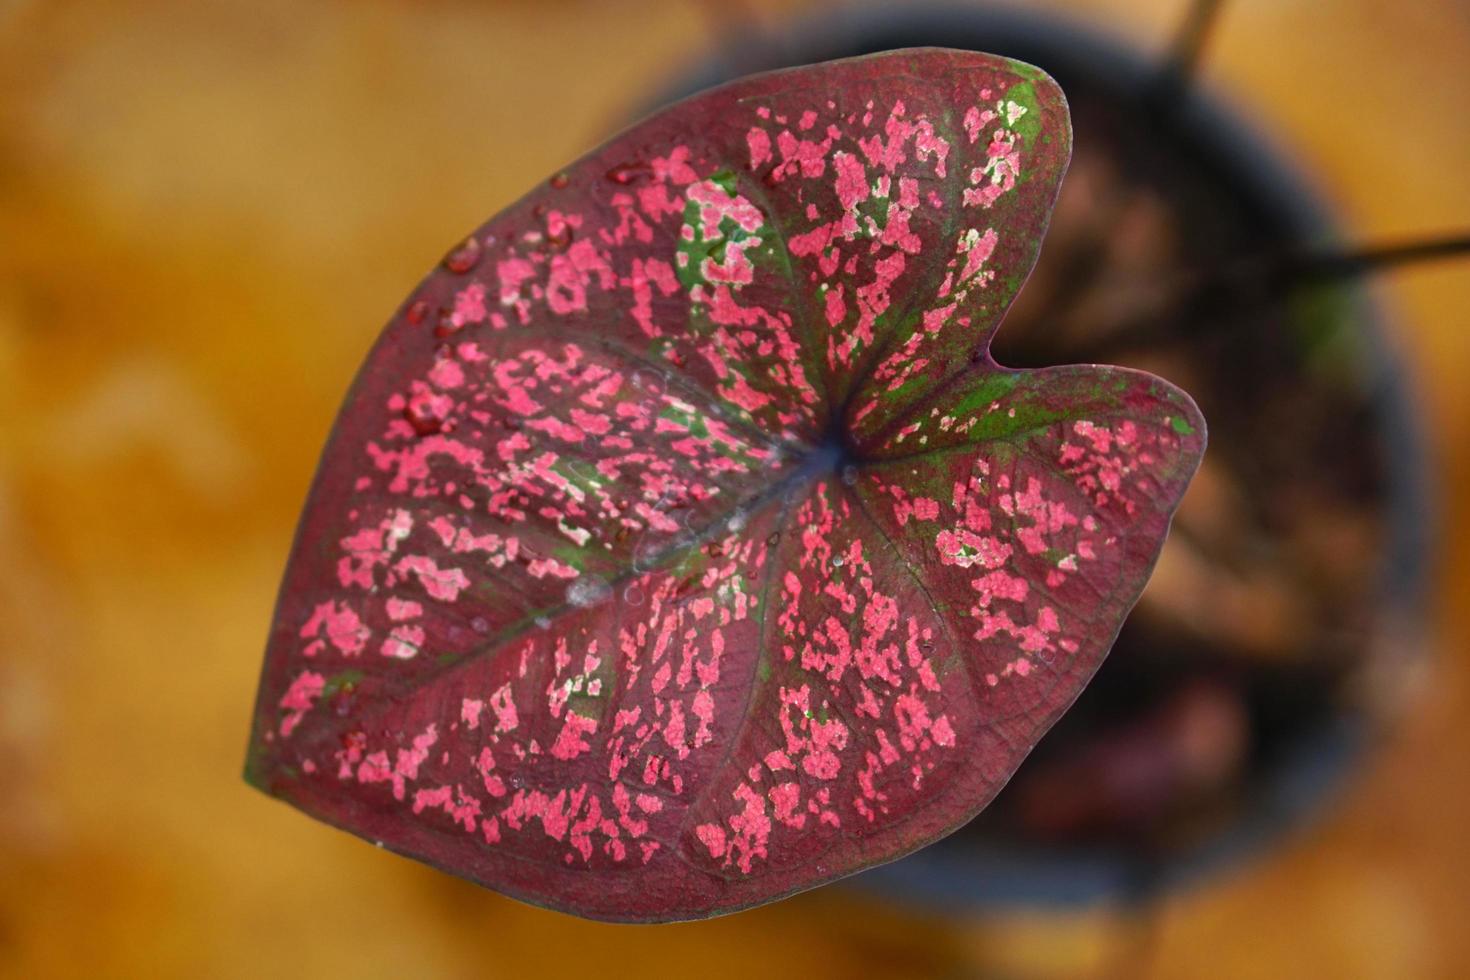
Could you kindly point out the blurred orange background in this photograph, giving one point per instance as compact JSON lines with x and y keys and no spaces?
{"x":208,"y":209}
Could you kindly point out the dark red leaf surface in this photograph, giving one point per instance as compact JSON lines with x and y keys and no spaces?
{"x":680,"y":546}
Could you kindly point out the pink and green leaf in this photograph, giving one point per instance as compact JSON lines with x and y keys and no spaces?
{"x":680,"y":546}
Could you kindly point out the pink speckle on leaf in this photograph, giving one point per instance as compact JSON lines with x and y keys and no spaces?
{"x":403,"y":642}
{"x":343,"y":628}
{"x":469,"y":712}
{"x":852,"y":181}
{"x":713,"y":837}
{"x":571,"y":741}
{"x":469,"y":304}
{"x":441,"y":583}
{"x":299,"y":698}
{"x":759,"y":142}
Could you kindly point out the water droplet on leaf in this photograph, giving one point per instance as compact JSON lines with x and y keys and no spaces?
{"x":588,"y":590}
{"x":849,"y":475}
{"x":464,"y":256}
{"x":627,"y":173}
{"x":633,"y":595}
{"x":650,"y":381}
{"x":447,"y":326}
{"x":645,"y":555}
{"x":582,"y":470}
{"x":560,"y":180}
{"x":424,"y":416}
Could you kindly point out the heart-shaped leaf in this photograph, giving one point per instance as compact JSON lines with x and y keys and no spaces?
{"x":680,"y":546}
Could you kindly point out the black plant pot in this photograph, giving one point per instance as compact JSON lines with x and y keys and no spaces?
{"x":1264,"y":656}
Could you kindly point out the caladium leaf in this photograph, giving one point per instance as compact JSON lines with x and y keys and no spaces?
{"x":680,"y":546}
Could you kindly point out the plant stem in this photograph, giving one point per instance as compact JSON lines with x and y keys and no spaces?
{"x":1255,"y":283}
{"x":1182,"y":61}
